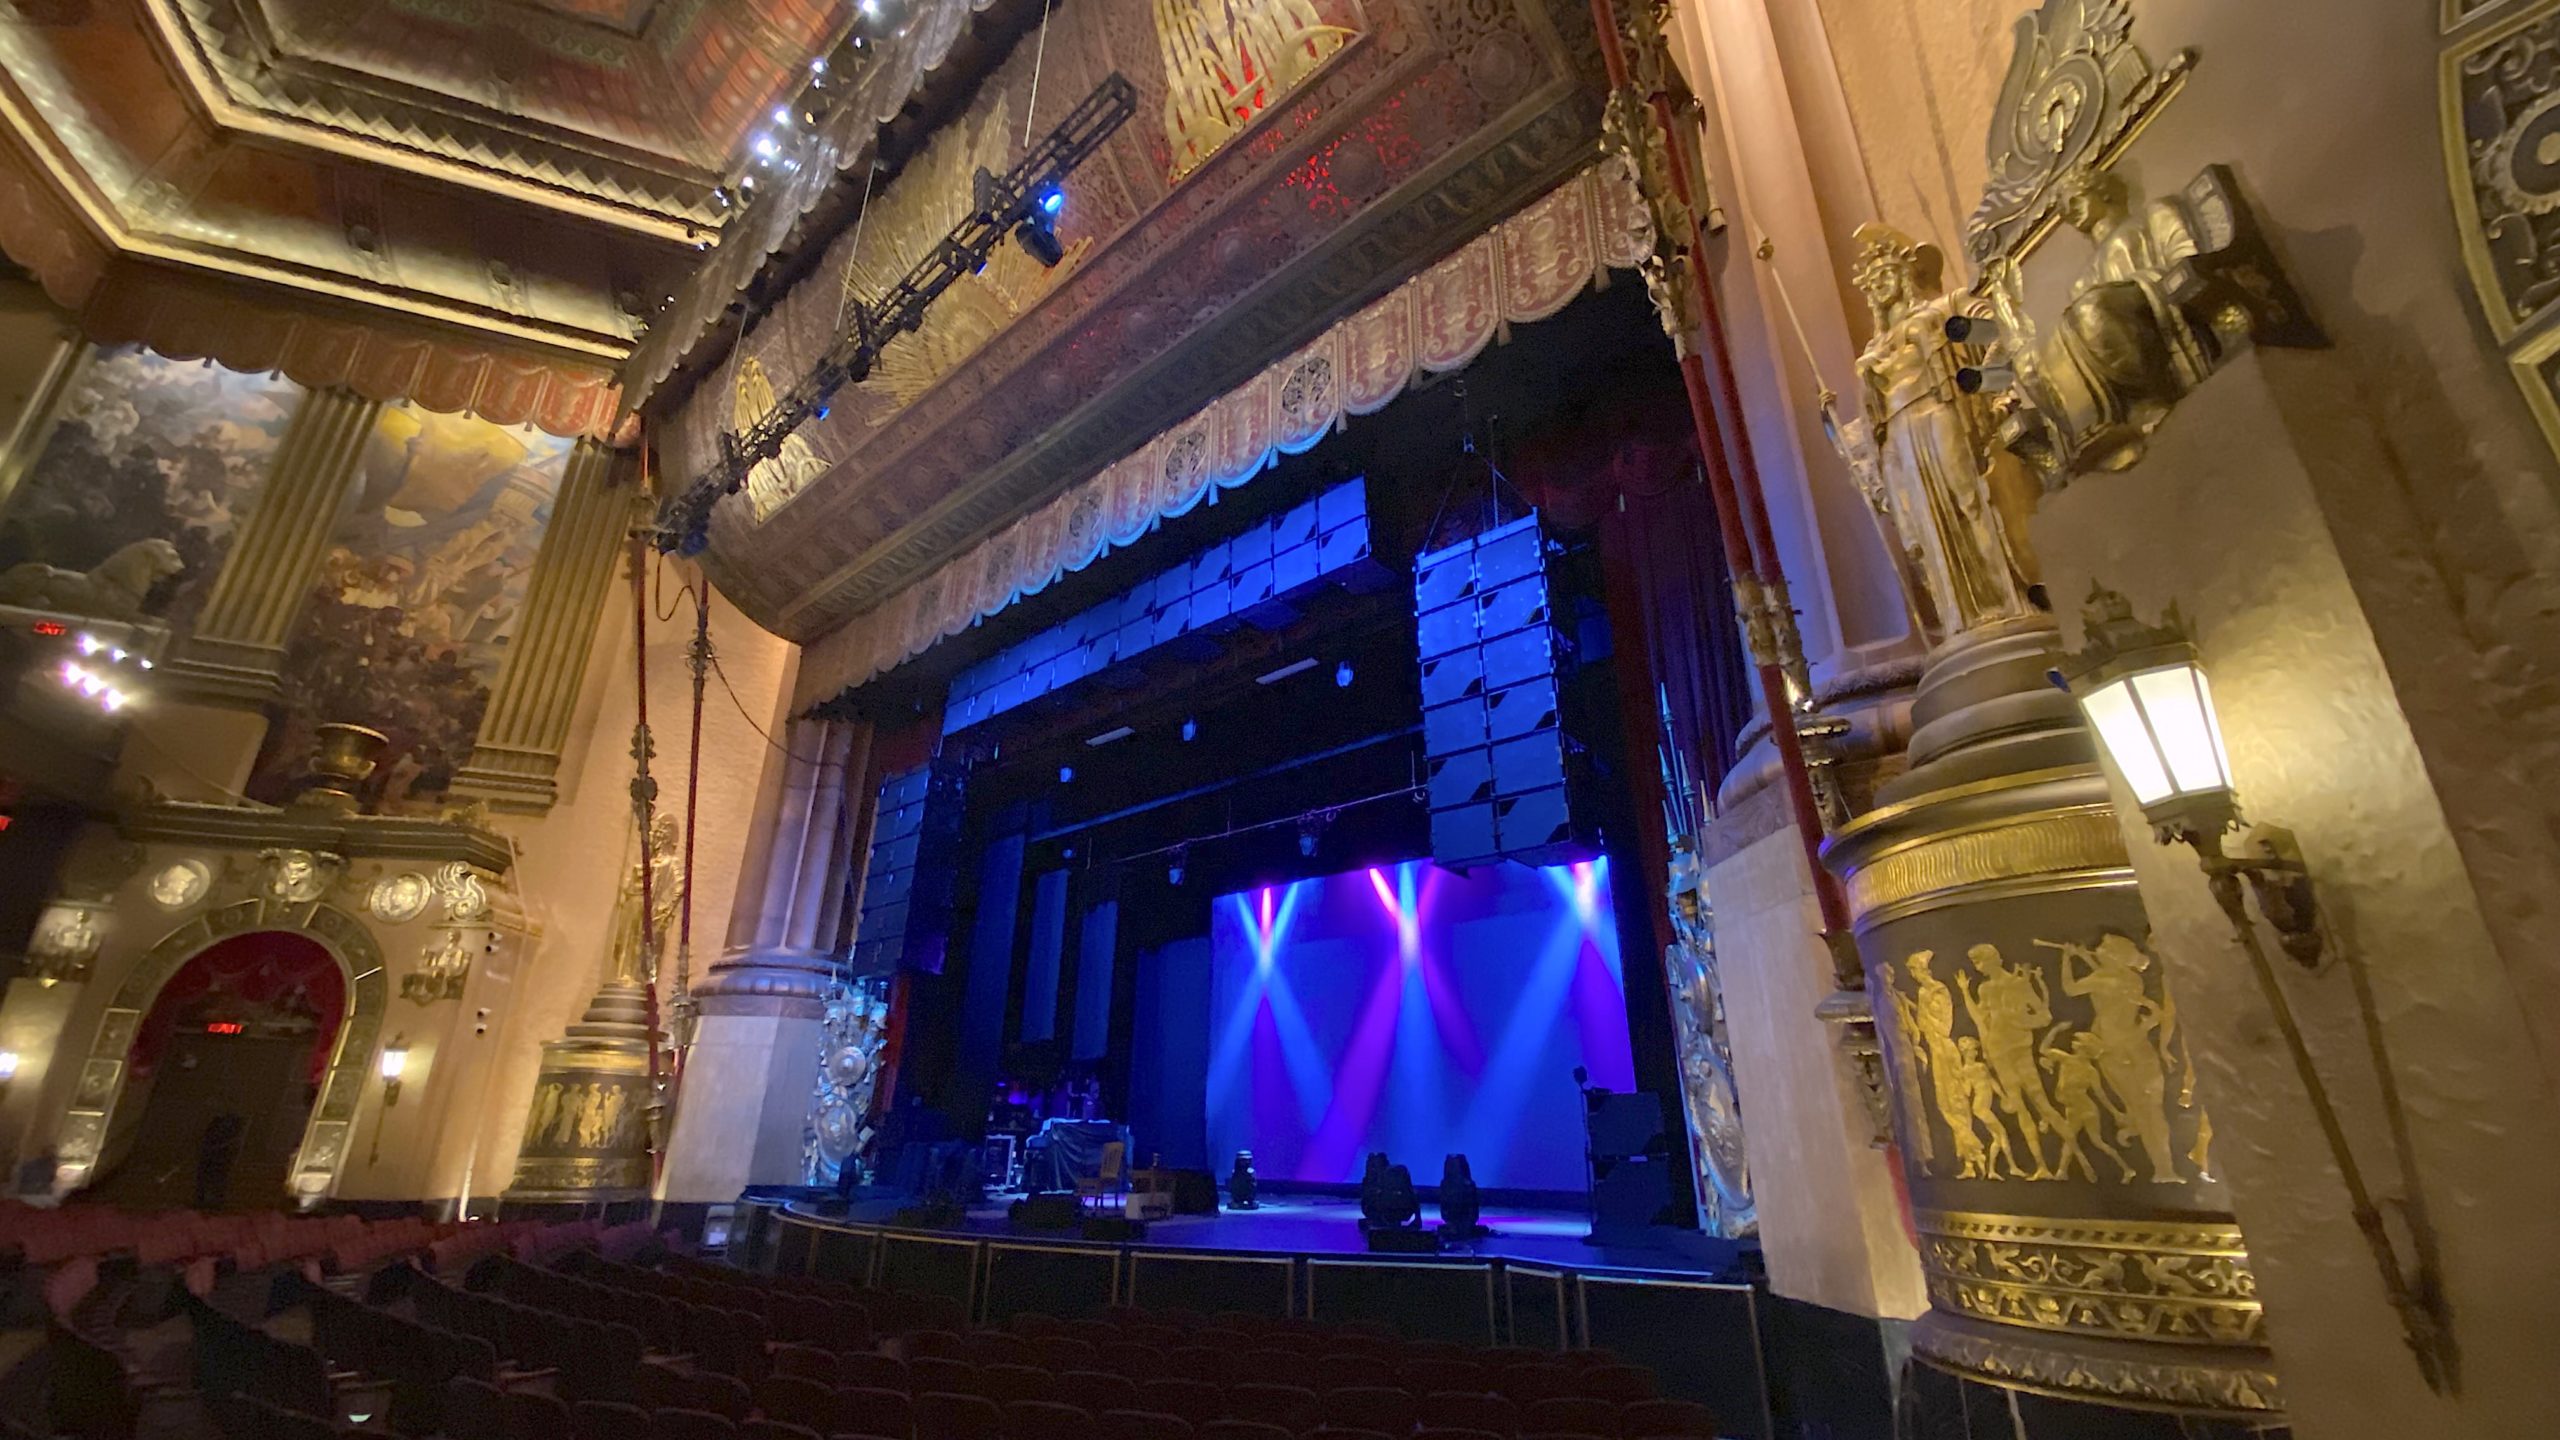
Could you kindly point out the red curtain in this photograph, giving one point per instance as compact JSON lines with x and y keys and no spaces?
{"x":268,"y":974}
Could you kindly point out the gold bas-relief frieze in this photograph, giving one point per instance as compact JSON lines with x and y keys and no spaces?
{"x":2178,"y":1280}
{"x":2160,"y":1378}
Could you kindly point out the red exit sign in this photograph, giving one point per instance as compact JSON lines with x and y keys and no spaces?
{"x":51,"y":627}
{"x":224,"y":1027}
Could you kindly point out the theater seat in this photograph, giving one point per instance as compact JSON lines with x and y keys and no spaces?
{"x":1372,"y":1408}
{"x":1463,"y":1410}
{"x":1647,"y":1419}
{"x":1144,"y":1425}
{"x":1243,"y":1430}
{"x":686,"y":1425}
{"x":870,"y":1411}
{"x":1572,"y":1415}
{"x":1045,"y":1420}
{"x":941,"y":1416}
{"x":1197,"y":1401}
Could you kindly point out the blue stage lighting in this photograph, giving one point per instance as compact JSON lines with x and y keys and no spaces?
{"x":1342,"y":675}
{"x":1066,"y":774}
{"x":1053,"y":200}
{"x":1190,"y":730}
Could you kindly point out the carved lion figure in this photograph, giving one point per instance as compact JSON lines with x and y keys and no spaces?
{"x":112,"y":590}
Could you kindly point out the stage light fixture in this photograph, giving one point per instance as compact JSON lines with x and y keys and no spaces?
{"x":781,"y":115}
{"x":1342,"y":675}
{"x":1242,"y":1185}
{"x":1173,"y":871}
{"x":1052,"y":201}
{"x":1274,"y":677}
{"x":1066,"y":774}
{"x":1310,"y":829}
{"x":1039,"y":241}
{"x":1190,"y":730}
{"x":1117,"y":732}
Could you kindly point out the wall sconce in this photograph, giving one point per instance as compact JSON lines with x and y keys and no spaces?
{"x":8,"y":1066}
{"x":2145,"y":696}
{"x":393,"y":1061}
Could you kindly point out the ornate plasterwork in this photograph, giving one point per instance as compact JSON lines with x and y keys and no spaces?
{"x":1438,"y":120}
{"x":2501,"y":120}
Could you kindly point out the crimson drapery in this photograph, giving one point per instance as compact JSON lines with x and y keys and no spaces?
{"x":267,"y":973}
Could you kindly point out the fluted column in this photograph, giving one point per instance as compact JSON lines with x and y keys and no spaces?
{"x":515,"y":763}
{"x":236,"y":653}
{"x":752,"y":1071}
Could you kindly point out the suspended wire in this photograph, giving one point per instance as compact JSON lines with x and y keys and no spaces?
{"x":1039,"y":54}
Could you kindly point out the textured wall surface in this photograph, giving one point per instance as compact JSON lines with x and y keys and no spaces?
{"x":1829,"y":1223}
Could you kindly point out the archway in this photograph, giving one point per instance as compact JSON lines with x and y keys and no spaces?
{"x":223,"y":1073}
{"x":96,"y":1100}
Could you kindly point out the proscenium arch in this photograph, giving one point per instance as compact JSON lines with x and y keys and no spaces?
{"x":324,"y":1136}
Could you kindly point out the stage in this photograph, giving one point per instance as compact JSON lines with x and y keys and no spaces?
{"x":1678,"y":1306}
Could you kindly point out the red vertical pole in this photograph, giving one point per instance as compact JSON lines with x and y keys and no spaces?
{"x":1733,"y":478}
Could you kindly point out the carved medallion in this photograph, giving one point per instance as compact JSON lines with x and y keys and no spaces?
{"x":465,"y":900}
{"x":181,"y":884}
{"x":297,"y":877}
{"x":399,"y":899}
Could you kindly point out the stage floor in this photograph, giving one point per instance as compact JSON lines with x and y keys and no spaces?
{"x":1310,"y":1225}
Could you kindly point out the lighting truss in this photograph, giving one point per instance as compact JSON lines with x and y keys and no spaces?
{"x":1003,"y":202}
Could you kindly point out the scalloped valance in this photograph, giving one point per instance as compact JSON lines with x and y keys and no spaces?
{"x":1526,"y":268}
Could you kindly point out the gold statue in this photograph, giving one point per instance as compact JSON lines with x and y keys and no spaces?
{"x":636,"y":955}
{"x":2127,"y":1041}
{"x":1953,"y":504}
{"x":1982,"y":1095}
{"x":2007,"y":1012}
{"x":2173,"y":289}
{"x":793,"y":468}
{"x":1933,"y":1016}
{"x":2082,"y":1097}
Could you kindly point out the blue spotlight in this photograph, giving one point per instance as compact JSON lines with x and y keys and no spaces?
{"x":1342,"y":675}
{"x":1066,"y":774}
{"x":1190,"y":730}
{"x":1053,"y":200}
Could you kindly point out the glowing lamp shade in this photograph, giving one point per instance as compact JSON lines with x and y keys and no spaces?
{"x":8,"y":1065}
{"x":394,"y":1060}
{"x":2158,"y":726}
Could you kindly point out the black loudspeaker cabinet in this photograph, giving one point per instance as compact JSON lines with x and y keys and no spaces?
{"x":1195,"y":1192}
{"x":1053,"y":1210}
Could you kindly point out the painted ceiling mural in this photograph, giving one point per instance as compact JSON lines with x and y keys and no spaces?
{"x":420,"y":593}
{"x":145,"y":448}
{"x":1290,"y":160}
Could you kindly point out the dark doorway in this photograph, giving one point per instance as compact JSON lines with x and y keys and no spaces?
{"x":224,"y":1072}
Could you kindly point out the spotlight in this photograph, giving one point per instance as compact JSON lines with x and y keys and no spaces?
{"x":781,"y":115}
{"x":766,"y":147}
{"x":1342,"y":675}
{"x":818,"y":66}
{"x":871,"y":9}
{"x":1066,"y":774}
{"x":693,"y":542}
{"x":1461,"y":1203}
{"x":1053,"y":200}
{"x":1173,"y":871}
{"x":1310,"y":829}
{"x":1039,"y":241}
{"x":819,"y":414}
{"x":1190,"y":730}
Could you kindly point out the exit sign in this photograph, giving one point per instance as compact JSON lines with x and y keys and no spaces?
{"x":224,"y":1027}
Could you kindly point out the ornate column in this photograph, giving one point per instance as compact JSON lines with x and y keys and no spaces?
{"x":2075,"y":1235}
{"x":750,"y":1074}
{"x":236,"y":654}
{"x":515,"y":763}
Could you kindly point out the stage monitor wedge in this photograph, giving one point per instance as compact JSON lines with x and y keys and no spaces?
{"x":1496,"y":759}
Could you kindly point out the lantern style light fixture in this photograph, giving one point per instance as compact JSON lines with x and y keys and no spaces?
{"x":8,"y":1066}
{"x":392,"y":1063}
{"x":2145,"y":696}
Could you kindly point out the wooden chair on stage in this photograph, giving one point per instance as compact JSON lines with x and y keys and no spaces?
{"x":1111,"y":1180}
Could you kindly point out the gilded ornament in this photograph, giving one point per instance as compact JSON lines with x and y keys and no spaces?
{"x":2174,"y":289}
{"x":1925,"y":452}
{"x":444,"y":966}
{"x":1705,"y":1047}
{"x":794,"y":468}
{"x":853,"y":1029}
{"x":399,"y":899}
{"x":297,"y":877}
{"x":458,"y":886}
{"x":2038,"y":1095}
{"x":181,"y":884}
{"x":2501,"y":109}
{"x":65,"y":944}
{"x":1227,"y":61}
{"x":2078,"y":90}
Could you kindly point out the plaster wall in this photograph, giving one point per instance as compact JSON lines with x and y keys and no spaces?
{"x":1831,"y":1227}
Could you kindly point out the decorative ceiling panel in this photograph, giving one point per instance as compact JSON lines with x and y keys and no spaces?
{"x":1414,"y":125}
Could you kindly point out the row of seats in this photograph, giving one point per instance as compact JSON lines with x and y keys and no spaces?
{"x":1294,"y":1376}
{"x":43,"y":1236}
